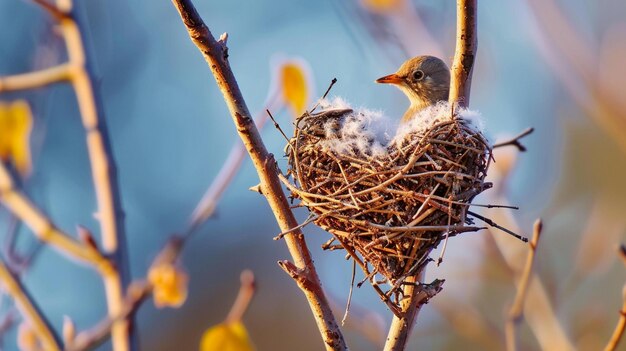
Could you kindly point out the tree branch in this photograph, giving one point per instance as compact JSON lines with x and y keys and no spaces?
{"x":515,"y":141}
{"x":42,"y":226}
{"x":216,"y":55}
{"x":104,"y":173}
{"x":517,"y":308}
{"x":465,"y":52}
{"x":30,"y":312}
{"x":37,"y":79}
{"x":621,"y":323}
{"x":461,"y":79}
{"x":416,"y":295}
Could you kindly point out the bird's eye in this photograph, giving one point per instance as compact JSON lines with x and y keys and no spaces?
{"x":418,"y":75}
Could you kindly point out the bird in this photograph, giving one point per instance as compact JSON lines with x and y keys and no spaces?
{"x":425,"y":80}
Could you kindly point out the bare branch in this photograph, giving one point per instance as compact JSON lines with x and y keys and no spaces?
{"x":42,"y":226}
{"x":461,"y":79}
{"x":37,"y":79}
{"x":216,"y":55}
{"x":621,"y":323}
{"x":465,"y":52}
{"x":30,"y":312}
{"x":87,"y":340}
{"x":517,"y":309}
{"x":620,"y":327}
{"x":416,"y":295}
{"x":136,"y":294}
{"x":515,"y":141}
{"x":246,"y":292}
{"x":110,"y":213}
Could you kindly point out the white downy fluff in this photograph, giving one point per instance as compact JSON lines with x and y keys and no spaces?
{"x":370,"y":132}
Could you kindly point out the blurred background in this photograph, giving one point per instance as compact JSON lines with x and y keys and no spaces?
{"x":554,"y":65}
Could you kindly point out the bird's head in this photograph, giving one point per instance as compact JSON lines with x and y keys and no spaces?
{"x":424,"y":79}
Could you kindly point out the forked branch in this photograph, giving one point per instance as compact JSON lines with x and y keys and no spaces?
{"x":461,"y":80}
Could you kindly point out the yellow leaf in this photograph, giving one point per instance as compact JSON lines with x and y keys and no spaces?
{"x":295,"y":86}
{"x":169,"y":284}
{"x":16,"y":123}
{"x":381,"y":6}
{"x":226,"y":337}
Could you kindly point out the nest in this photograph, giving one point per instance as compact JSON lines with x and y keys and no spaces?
{"x":389,"y":210}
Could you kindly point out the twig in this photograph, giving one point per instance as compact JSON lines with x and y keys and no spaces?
{"x":30,"y":312}
{"x":621,"y":323}
{"x":136,"y":294}
{"x":465,"y":52}
{"x":79,"y":73}
{"x":207,"y":205}
{"x":539,"y":312}
{"x":620,"y":327}
{"x":246,"y":292}
{"x":345,"y":315}
{"x":496,"y":225}
{"x":42,"y":226}
{"x":88,"y":339}
{"x":461,"y":79}
{"x":216,"y":54}
{"x":515,"y":141}
{"x":276,"y":125}
{"x":104,"y":173}
{"x":330,"y":86}
{"x":517,"y":308}
{"x":37,"y":79}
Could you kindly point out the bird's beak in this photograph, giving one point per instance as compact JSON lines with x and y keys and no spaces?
{"x":390,"y":79}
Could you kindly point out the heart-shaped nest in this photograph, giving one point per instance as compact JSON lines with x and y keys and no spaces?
{"x":387,"y":204}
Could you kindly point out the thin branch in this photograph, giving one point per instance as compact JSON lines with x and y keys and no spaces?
{"x":42,"y":226}
{"x":517,"y":308}
{"x":245,"y":295}
{"x":104,"y":174}
{"x":465,"y":52}
{"x":216,"y":55}
{"x":616,"y":337}
{"x":37,"y":79}
{"x":138,"y":292}
{"x":207,"y":205}
{"x":620,"y":327}
{"x":515,"y":141}
{"x":461,"y":79}
{"x":496,"y":225}
{"x":28,"y":309}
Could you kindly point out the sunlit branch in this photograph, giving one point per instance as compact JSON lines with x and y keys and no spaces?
{"x":216,"y":55}
{"x":517,"y":308}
